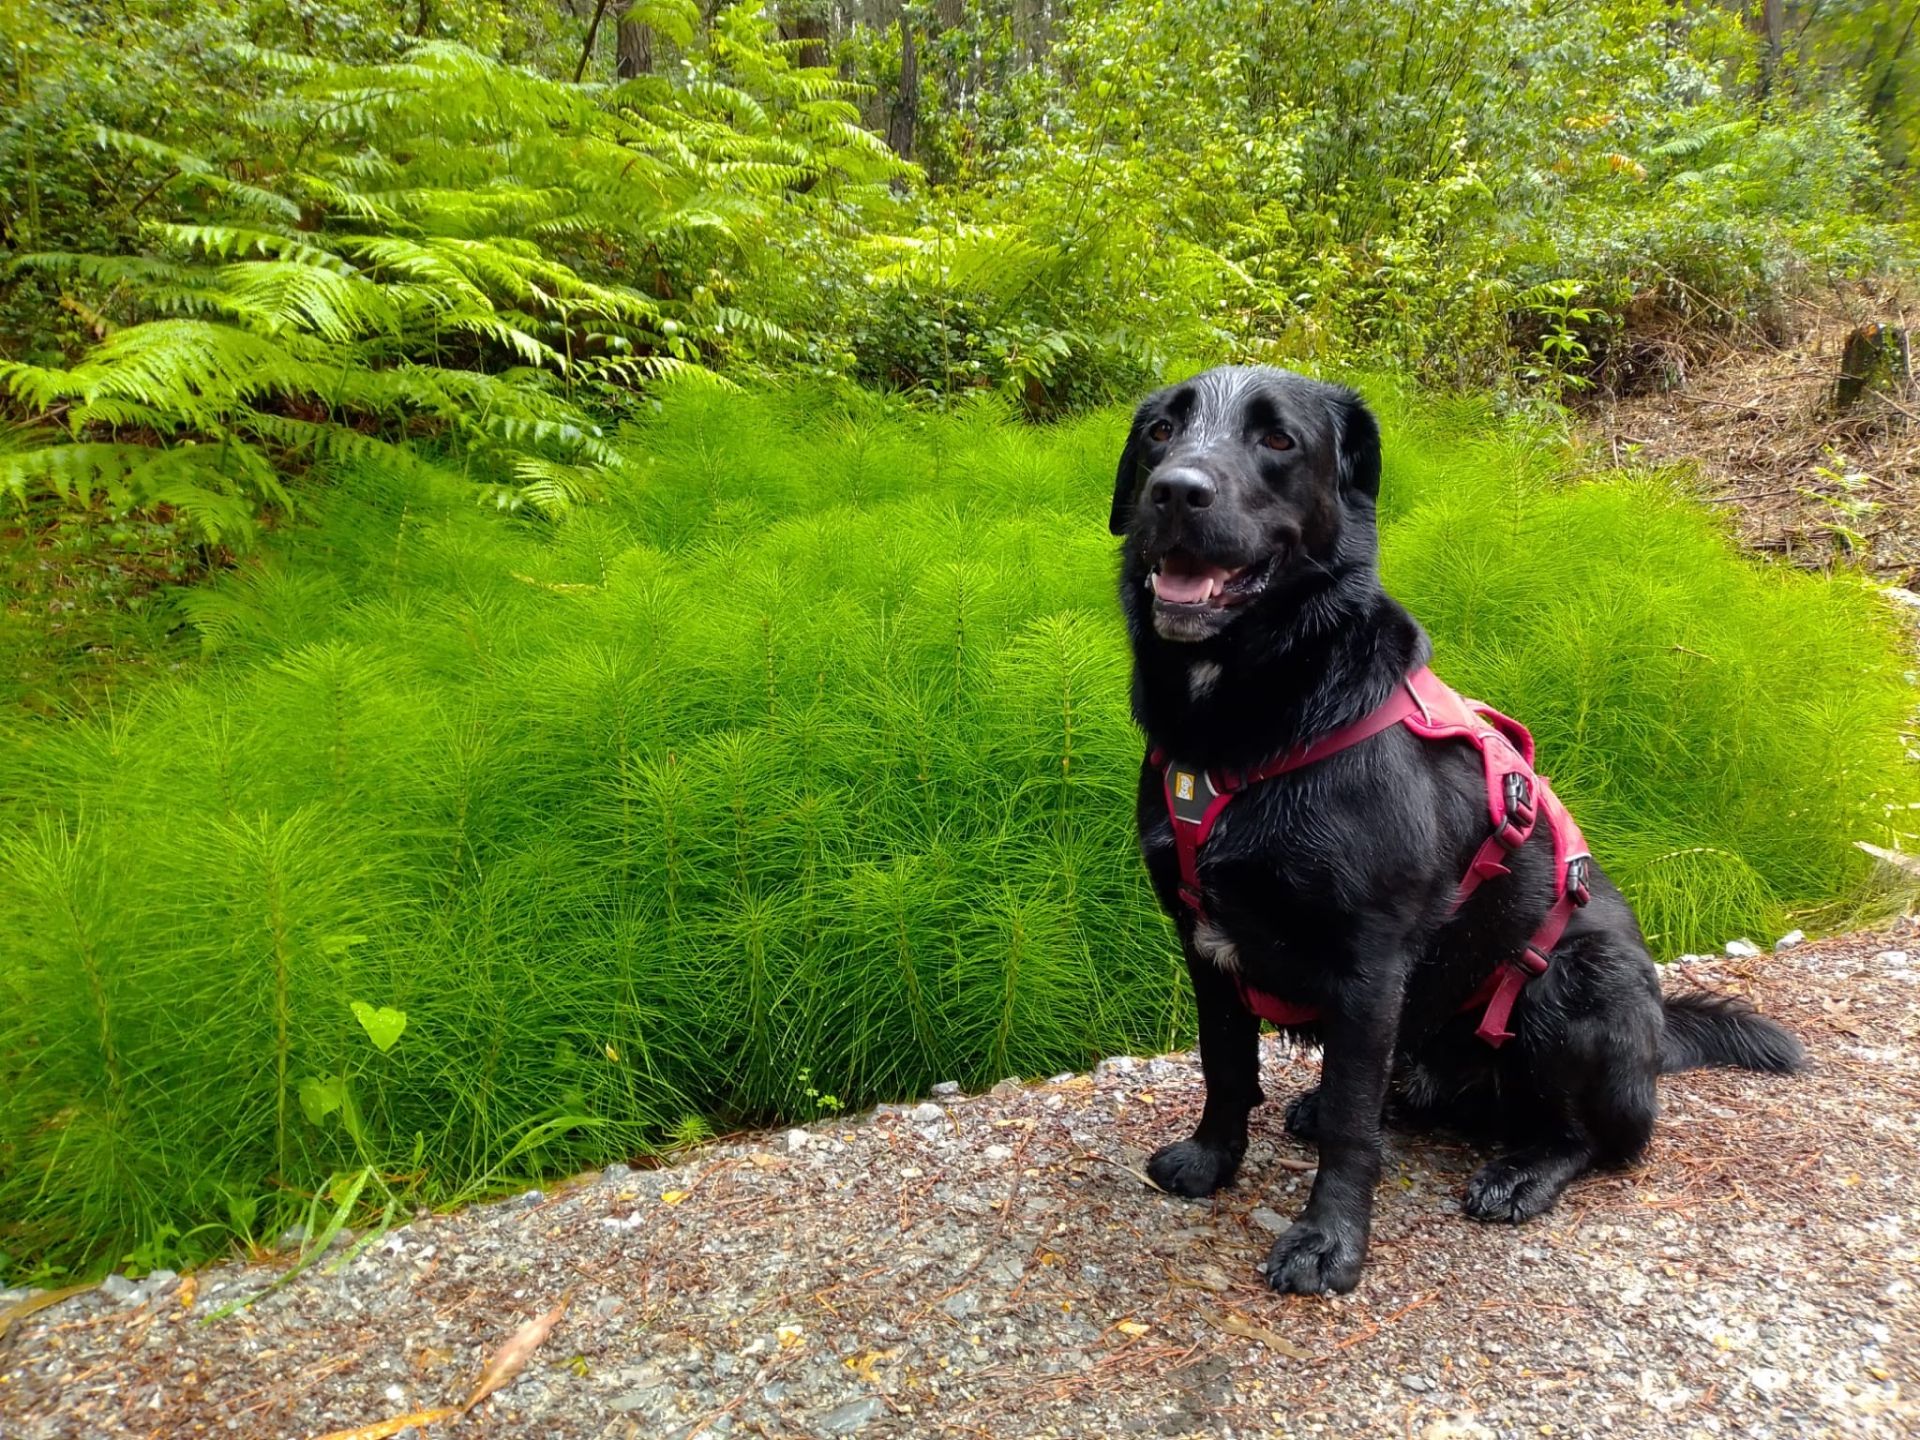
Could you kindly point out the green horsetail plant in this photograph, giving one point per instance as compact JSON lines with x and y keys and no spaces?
{"x":799,"y":766}
{"x":442,"y":250}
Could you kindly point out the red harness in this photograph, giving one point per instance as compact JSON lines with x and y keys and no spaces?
{"x":1516,"y":798}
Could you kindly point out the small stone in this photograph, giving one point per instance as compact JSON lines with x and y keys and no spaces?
{"x":395,"y":1395}
{"x":1061,"y":1078}
{"x":927,"y":1114}
{"x":1419,"y":1384}
{"x":1894,"y":958}
{"x":998,"y":1152}
{"x":798,"y":1140}
{"x":120,"y":1289}
{"x":1790,"y":939}
{"x":1160,"y":1069}
{"x":1268,"y":1220}
{"x":1742,"y":949}
{"x":1007,"y":1088}
{"x":159,"y":1282}
{"x":631,"y":1400}
{"x":608,"y":1306}
{"x":946,"y":1090}
{"x":1457,"y":1427}
{"x":616,"y":1174}
{"x":961,"y":1306}
{"x":1115,"y":1065}
{"x":847,"y":1418}
{"x":1768,"y":1381}
{"x":530,"y":1199}
{"x":775,"y":1393}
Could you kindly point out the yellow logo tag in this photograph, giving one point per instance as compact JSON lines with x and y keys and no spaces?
{"x":1182,"y":785}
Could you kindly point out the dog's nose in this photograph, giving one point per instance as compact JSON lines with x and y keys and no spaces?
{"x":1183,"y":488}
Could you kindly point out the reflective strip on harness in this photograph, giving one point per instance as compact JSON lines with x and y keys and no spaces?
{"x":1517,"y":799}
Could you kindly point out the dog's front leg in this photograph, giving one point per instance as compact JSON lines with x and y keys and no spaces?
{"x":1230,"y":1065}
{"x":1322,"y":1251}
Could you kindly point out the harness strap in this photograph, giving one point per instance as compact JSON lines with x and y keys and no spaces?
{"x":1517,"y":798}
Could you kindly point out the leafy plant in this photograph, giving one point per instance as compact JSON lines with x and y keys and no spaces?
{"x":440,"y":252}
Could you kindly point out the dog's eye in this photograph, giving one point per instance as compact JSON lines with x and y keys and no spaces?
{"x":1277,"y":440}
{"x":1160,"y":432}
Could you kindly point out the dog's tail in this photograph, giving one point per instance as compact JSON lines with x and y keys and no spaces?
{"x":1719,"y":1030}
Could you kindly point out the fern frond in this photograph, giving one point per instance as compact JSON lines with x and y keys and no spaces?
{"x":147,"y":148}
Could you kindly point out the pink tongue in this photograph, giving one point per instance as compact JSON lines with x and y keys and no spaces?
{"x":1187,"y":589}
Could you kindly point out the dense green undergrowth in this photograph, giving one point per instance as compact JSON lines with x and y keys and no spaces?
{"x":796,"y":774}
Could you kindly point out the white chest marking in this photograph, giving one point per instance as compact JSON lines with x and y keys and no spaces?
{"x":1213,"y":944}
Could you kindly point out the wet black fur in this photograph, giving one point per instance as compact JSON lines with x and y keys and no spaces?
{"x":1332,"y":884}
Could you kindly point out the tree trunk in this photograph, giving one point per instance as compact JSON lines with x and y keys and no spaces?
{"x":1876,"y":358}
{"x":632,"y":47}
{"x":904,"y":118}
{"x":1768,"y":20}
{"x":806,"y":21}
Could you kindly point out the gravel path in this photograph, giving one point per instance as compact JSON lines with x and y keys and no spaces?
{"x":992,"y":1267}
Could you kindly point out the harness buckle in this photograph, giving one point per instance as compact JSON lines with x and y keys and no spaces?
{"x":1519,"y":787}
{"x":1514,"y":830}
{"x":1578,"y":869}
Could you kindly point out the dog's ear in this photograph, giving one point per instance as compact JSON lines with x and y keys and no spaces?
{"x":1356,"y":438}
{"x":1127,"y":480}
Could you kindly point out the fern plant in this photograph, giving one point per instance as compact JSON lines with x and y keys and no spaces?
{"x":444,"y":251}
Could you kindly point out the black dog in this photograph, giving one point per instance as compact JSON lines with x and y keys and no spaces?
{"x":1258,"y":625}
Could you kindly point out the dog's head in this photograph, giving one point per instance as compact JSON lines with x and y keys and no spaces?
{"x":1239,"y":486}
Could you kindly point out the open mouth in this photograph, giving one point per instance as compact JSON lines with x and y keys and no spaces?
{"x":1183,"y":579}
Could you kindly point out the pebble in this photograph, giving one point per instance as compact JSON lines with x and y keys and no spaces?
{"x":927,"y":1114}
{"x":1457,"y":1427}
{"x":1894,"y":958}
{"x":1115,"y":1065}
{"x":120,"y":1289}
{"x":531,"y":1199}
{"x":946,"y":1090}
{"x":1769,"y":1381}
{"x":1270,"y":1221}
{"x":798,"y":1140}
{"x":847,"y":1418}
{"x":1419,"y":1384}
{"x":998,"y":1152}
{"x":1790,"y":939}
{"x":1742,"y":949}
{"x":615,"y":1173}
{"x":961,"y":1306}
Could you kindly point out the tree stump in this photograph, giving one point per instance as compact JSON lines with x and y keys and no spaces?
{"x":1876,"y":357}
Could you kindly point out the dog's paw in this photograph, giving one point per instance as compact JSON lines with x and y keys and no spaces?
{"x":1510,"y":1191}
{"x":1317,"y":1259}
{"x":1187,"y":1167}
{"x":1303,"y":1117}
